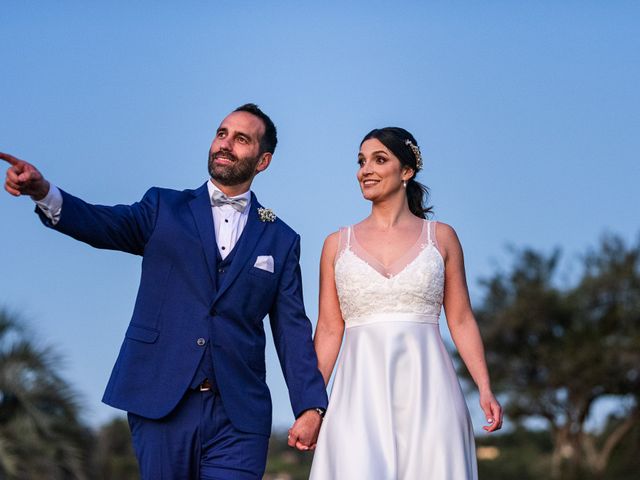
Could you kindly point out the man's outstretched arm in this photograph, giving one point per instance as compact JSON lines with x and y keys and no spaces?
{"x":121,"y":227}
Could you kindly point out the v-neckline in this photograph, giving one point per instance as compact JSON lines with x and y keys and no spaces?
{"x":381,"y":268}
{"x":390,"y":277}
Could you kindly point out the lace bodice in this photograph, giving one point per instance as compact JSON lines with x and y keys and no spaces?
{"x":417,"y":288}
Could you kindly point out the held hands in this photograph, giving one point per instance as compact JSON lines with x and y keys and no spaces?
{"x":492,"y":410}
{"x":24,"y":179}
{"x":303,"y":435}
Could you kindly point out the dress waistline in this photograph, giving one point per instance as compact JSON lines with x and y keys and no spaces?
{"x":391,"y":317}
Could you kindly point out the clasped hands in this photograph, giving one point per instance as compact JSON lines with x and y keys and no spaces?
{"x":303,"y":435}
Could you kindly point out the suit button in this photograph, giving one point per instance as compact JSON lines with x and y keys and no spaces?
{"x":201,"y":341}
{"x":221,"y":270}
{"x":213,"y":312}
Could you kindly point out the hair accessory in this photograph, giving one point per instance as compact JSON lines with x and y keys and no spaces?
{"x":416,"y":152}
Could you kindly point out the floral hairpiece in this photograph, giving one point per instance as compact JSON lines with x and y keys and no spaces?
{"x":416,"y":152}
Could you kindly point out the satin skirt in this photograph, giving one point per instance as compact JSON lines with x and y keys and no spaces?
{"x":396,"y":410}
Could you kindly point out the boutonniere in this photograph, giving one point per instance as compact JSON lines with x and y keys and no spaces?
{"x":266,"y":215}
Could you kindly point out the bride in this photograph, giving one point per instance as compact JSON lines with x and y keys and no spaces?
{"x":396,"y":408}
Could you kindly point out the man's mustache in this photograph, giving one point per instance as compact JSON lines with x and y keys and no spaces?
{"x":222,"y":154}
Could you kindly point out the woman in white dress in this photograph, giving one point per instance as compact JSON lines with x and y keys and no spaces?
{"x":396,"y":409}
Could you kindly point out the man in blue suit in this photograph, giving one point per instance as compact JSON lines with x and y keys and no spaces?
{"x":191,"y":369}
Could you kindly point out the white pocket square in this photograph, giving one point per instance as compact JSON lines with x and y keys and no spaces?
{"x":264,"y":262}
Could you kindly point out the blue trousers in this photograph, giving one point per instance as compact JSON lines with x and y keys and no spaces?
{"x":197,"y":442}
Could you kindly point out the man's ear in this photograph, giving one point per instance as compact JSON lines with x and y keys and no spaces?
{"x":264,"y":162}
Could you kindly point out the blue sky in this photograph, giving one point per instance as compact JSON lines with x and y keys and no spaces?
{"x":527,"y":114}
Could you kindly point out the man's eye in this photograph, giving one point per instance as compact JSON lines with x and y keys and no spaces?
{"x":242,"y":140}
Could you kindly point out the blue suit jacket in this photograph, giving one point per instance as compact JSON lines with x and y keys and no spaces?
{"x":179,"y":304}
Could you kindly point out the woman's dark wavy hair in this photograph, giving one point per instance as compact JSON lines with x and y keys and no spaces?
{"x":394,"y":138}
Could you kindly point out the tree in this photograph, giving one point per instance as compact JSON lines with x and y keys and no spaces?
{"x":555,"y":349}
{"x":114,"y":455}
{"x":40,"y":434}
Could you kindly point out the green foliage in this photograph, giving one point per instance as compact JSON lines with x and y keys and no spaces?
{"x":527,"y":455}
{"x":285,"y":462}
{"x":625,"y":461}
{"x":554,"y":348}
{"x":114,"y":456}
{"x":520,"y":454}
{"x":40,"y":435}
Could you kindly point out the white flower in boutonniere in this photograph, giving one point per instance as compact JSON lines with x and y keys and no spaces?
{"x":266,"y":215}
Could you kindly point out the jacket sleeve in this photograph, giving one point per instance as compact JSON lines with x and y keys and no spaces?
{"x":292,"y":336}
{"x":121,"y":227}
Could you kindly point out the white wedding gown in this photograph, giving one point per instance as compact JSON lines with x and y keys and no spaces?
{"x":396,"y":409}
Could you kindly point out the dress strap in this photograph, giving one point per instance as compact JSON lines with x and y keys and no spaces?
{"x":344,"y":241}
{"x":431,"y":233}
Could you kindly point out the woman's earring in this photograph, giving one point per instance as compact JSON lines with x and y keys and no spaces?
{"x":404,"y":183}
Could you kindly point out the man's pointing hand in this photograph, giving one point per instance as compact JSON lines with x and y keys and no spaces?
{"x":24,"y":179}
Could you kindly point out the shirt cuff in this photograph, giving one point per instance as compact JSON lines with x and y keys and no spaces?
{"x":51,"y":204}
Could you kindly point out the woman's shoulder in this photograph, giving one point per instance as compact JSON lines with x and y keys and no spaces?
{"x":339,"y":235}
{"x":333,"y":238}
{"x":442,"y":227}
{"x":330,"y":247}
{"x":445,"y":234}
{"x":337,"y":241}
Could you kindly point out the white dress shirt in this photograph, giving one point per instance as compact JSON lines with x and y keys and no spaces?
{"x":227,"y":221}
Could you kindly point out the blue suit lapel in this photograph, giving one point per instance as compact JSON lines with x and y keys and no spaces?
{"x":201,"y":208}
{"x":247,"y":243}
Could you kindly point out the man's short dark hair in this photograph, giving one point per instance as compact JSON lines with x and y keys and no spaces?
{"x":270,"y":138}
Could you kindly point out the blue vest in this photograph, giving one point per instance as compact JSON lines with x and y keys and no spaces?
{"x":205,"y":369}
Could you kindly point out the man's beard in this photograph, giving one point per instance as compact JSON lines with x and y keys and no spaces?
{"x":240,"y":171}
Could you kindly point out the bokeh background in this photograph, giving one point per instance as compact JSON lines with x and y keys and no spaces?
{"x":527,"y":114}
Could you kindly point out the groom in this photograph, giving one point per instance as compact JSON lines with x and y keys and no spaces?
{"x":191,"y":369}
